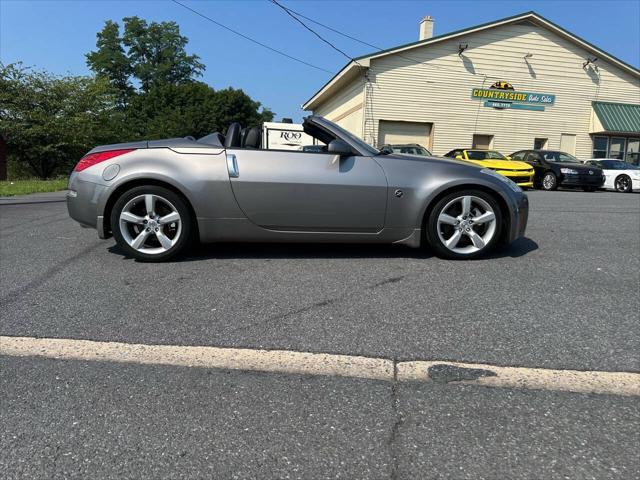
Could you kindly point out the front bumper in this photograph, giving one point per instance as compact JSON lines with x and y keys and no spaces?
{"x":582,"y":180}
{"x":519,"y":219}
{"x":524,"y":178}
{"x":83,"y":202}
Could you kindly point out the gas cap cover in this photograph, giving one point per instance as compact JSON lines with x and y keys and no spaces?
{"x":111,"y":172}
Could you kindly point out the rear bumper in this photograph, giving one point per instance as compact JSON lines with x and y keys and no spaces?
{"x":83,"y":200}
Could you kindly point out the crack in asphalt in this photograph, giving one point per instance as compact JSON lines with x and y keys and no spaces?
{"x":21,"y":228}
{"x":395,"y":428}
{"x":16,"y":294}
{"x":315,"y":305}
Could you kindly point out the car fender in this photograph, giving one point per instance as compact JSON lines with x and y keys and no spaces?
{"x":201,"y":177}
{"x":420,"y":186}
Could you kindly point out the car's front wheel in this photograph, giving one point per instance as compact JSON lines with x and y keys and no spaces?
{"x":464,"y":225}
{"x":623,"y":184}
{"x":151,"y":223}
{"x":549,"y":181}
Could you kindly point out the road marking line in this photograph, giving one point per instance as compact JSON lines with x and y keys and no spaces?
{"x":274,"y":361}
{"x":323,"y":364}
{"x":615,"y":383}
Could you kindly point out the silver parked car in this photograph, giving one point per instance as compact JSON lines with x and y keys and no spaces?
{"x":157,"y":196}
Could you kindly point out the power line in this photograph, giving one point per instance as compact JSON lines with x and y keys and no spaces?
{"x":275,"y":2}
{"x":279,"y":52}
{"x":332,"y":29}
{"x":293,"y":14}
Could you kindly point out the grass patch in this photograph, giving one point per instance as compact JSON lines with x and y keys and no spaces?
{"x":10,"y":188}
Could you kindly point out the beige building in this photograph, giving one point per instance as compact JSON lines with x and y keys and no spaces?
{"x":517,"y":83}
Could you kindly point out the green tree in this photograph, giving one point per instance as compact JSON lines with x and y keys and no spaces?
{"x":191,"y":109}
{"x":153,"y":53}
{"x":49,"y":122}
{"x":111,"y":62}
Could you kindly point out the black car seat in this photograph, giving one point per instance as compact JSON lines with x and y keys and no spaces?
{"x":243,"y":136}
{"x":233,"y":139}
{"x":253,"y":139}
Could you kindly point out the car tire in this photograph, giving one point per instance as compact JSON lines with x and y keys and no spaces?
{"x":469,"y":238}
{"x":549,"y":182}
{"x":151,"y":236}
{"x":622,"y":183}
{"x":589,"y":189}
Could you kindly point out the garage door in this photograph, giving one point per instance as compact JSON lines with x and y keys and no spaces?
{"x":404,"y":132}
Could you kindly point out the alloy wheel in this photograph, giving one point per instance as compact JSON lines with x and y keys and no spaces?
{"x":466,"y":224}
{"x":150,"y":224}
{"x":549,"y":181}
{"x":622,"y":183}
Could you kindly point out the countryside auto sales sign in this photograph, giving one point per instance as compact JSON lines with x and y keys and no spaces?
{"x":500,"y":98}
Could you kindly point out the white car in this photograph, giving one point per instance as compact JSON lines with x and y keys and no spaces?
{"x":619,"y":176}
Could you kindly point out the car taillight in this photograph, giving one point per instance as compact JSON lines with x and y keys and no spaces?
{"x":94,"y":158}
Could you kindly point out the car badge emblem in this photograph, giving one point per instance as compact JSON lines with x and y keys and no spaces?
{"x":398,"y":193}
{"x":590,"y":172}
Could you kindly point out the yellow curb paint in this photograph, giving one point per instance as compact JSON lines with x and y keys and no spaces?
{"x":307,"y":363}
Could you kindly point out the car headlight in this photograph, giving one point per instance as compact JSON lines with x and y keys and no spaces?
{"x":569,"y":171}
{"x":502,"y":178}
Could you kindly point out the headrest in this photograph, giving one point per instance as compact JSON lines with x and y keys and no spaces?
{"x":232,"y":139}
{"x":253,"y":138}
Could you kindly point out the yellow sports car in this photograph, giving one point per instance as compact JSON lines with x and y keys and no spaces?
{"x":520,"y":172}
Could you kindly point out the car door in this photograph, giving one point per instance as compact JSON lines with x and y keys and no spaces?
{"x":307,"y":191}
{"x":535,"y":160}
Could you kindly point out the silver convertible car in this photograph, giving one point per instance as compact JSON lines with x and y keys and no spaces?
{"x":155,"y":197}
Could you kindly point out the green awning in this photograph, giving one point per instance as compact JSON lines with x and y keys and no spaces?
{"x":618,"y":117}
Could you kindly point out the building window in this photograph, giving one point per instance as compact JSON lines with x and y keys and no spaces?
{"x":616,"y":148}
{"x":633,"y":151}
{"x":483,"y":142}
{"x":600,"y":146}
{"x":540,"y":143}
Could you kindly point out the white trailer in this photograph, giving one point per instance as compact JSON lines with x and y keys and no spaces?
{"x":285,"y":136}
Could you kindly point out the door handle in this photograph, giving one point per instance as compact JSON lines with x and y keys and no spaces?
{"x":232,"y":165}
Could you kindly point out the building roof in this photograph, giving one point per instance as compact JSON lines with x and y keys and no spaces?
{"x":618,"y":117}
{"x":350,"y":70}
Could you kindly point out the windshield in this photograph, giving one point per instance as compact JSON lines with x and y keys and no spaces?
{"x":354,"y":139}
{"x":559,"y":157}
{"x":485,"y":155}
{"x":615,"y":165}
{"x":411,"y":150}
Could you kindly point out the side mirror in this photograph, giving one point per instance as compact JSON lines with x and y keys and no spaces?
{"x":459,"y":157}
{"x":339,"y":147}
{"x":507,"y":157}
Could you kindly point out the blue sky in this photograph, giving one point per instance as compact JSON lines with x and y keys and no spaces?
{"x":55,"y":35}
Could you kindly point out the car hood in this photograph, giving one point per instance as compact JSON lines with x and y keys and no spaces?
{"x":502,"y":164}
{"x":428,"y":159}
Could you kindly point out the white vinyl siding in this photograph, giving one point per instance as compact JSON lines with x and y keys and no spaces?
{"x":345,"y":108}
{"x":432,"y":84}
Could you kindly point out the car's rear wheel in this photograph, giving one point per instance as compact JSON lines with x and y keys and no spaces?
{"x":623,"y":184}
{"x":151,"y":223}
{"x":549,"y":181}
{"x":464,"y":225}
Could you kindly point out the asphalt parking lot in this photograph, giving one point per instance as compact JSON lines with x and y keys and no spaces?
{"x":565,"y":297}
